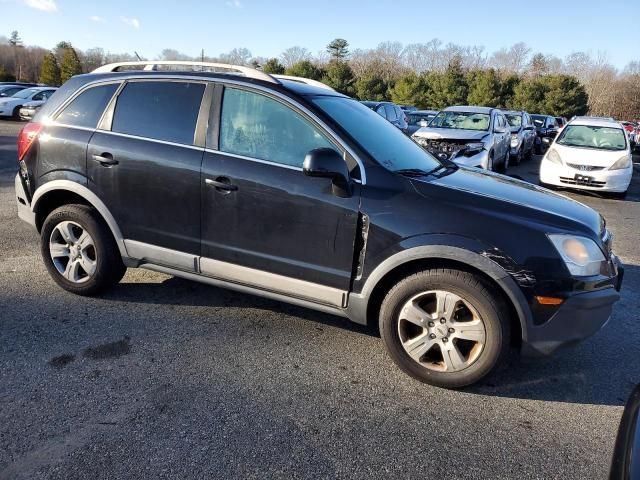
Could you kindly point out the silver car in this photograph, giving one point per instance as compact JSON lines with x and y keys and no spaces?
{"x":470,"y":136}
{"x":523,"y":136}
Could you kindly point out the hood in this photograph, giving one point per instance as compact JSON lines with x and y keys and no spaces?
{"x":589,"y":156}
{"x":34,"y":103}
{"x":450,"y":134}
{"x":534,"y":203}
{"x":514,"y":129}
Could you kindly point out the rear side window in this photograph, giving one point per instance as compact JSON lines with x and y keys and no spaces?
{"x":161,"y":110}
{"x":86,"y":109}
{"x":391,"y":113}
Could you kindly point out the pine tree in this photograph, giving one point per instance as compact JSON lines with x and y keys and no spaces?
{"x":273,"y":66}
{"x":70,"y":65}
{"x":50,"y":70}
{"x":338,"y":49}
{"x":305,"y":69}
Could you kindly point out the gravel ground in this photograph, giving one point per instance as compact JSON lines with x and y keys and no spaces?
{"x":166,"y":378}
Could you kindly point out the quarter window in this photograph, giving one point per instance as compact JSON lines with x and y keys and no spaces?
{"x":258,"y":126}
{"x":86,"y":109}
{"x":160,"y":110}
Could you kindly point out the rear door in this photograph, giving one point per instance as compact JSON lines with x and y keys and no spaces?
{"x":144,"y":163}
{"x":264,"y":222}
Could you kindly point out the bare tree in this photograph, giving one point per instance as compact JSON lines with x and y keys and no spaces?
{"x":294,"y":55}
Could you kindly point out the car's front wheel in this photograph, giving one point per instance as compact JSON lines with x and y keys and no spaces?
{"x":445,"y":327}
{"x":79,"y":251}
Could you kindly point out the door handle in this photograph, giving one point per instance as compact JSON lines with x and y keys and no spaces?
{"x":106,"y":159}
{"x":221,"y":184}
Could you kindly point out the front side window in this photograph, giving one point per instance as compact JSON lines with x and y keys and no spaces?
{"x":391,"y":113}
{"x":163,"y":110}
{"x":26,"y":93}
{"x":86,"y":109}
{"x":257,"y":126}
{"x":380,"y":111}
{"x":386,"y":144}
{"x":599,"y":138}
{"x":538,"y":120}
{"x":461,"y":121}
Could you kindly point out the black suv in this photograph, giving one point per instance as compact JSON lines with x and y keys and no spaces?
{"x":546,"y":129}
{"x":289,"y":190}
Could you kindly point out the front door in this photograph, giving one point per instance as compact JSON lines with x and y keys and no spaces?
{"x":279,"y":229}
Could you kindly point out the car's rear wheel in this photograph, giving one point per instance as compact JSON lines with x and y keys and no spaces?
{"x":79,"y":251}
{"x":16,"y":113}
{"x":445,"y":327}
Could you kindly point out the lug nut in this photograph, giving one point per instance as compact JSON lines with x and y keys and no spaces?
{"x":443,"y":320}
{"x":432,"y":336}
{"x":451,"y":330}
{"x":445,"y":339}
{"x":431,"y":324}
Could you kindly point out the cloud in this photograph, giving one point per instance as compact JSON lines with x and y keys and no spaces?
{"x":131,"y":21}
{"x":234,"y":3}
{"x":96,"y":18}
{"x":44,"y":5}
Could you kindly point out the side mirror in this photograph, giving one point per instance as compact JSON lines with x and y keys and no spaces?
{"x":626,"y":455}
{"x":327,"y":163}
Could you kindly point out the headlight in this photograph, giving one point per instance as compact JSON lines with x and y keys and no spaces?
{"x":581,"y":255}
{"x":475,"y":146}
{"x":554,"y":156}
{"x":515,"y":141}
{"x":624,"y":162}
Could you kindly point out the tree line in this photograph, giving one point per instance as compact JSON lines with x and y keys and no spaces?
{"x":428,"y":75}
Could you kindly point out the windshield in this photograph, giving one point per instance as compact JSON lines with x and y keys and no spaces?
{"x":538,"y":120}
{"x":461,"y":121}
{"x":514,"y":120}
{"x":384,"y":142}
{"x":599,"y":138}
{"x":415,"y":118}
{"x":25,"y":93}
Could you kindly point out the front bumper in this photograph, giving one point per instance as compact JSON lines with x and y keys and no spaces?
{"x":579,"y":317}
{"x":601,"y":180}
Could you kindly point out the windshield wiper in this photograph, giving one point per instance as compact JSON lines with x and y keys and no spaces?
{"x":413,"y":172}
{"x":417,"y":172}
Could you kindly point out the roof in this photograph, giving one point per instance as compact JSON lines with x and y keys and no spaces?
{"x":595,"y":122}
{"x":373,"y":103}
{"x":470,"y":109}
{"x":513,"y":112}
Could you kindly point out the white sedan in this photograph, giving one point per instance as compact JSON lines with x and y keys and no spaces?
{"x":10,"y":106}
{"x":589,"y":154}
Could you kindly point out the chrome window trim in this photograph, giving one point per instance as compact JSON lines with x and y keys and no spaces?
{"x":149,"y":139}
{"x":253,"y":159}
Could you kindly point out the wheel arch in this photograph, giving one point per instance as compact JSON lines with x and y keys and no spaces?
{"x":364,"y":307}
{"x":56,"y":193}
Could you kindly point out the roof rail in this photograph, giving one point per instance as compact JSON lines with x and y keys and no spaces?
{"x":153,"y":64}
{"x":308,"y":81}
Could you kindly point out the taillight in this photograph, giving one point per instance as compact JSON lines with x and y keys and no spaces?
{"x":26,"y":137}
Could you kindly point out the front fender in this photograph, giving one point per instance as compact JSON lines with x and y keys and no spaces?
{"x":460,"y":249}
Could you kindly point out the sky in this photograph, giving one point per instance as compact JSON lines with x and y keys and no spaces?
{"x":268,"y":27}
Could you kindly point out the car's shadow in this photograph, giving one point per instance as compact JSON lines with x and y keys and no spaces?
{"x":602,"y":370}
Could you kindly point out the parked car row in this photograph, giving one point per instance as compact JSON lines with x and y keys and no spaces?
{"x":21,"y":101}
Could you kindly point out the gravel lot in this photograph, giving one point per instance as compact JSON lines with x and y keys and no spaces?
{"x":162,"y":377}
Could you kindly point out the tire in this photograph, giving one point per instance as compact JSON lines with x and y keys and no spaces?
{"x":538,"y":148}
{"x":619,"y":195}
{"x":490,"y":165}
{"x":92,"y":263}
{"x":505,"y":163}
{"x":529,"y":155}
{"x":16,"y":113}
{"x":397,"y":333}
{"x":517,"y":160}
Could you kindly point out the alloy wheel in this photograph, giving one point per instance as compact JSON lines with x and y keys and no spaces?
{"x":441,"y":331}
{"x":73,"y":252}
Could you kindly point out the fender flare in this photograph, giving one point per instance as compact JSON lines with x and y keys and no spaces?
{"x":358,"y":303}
{"x":90,"y":197}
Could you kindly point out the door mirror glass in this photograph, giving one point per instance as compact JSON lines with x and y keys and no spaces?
{"x":327,"y":163}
